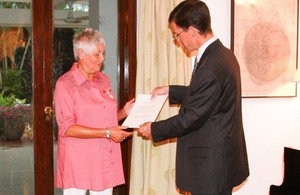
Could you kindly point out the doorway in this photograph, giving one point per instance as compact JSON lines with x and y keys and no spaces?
{"x":38,"y":157}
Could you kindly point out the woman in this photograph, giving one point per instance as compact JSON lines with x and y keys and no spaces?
{"x":88,"y":152}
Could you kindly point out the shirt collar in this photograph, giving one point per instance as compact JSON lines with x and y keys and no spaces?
{"x":204,"y":46}
{"x":78,"y":76}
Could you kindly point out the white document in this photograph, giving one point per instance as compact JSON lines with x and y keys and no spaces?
{"x":144,"y":110}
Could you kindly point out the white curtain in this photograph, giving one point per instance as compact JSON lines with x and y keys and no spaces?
{"x":159,"y":62}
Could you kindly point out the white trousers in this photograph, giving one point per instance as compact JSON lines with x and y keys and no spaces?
{"x":75,"y":191}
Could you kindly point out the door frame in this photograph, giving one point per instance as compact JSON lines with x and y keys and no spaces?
{"x":127,"y":72}
{"x":42,"y":30}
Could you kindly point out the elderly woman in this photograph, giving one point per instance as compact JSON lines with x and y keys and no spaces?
{"x":88,"y":153}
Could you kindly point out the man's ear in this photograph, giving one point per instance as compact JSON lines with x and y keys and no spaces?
{"x":193,"y":31}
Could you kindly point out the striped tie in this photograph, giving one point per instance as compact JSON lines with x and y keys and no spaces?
{"x":195,"y":67}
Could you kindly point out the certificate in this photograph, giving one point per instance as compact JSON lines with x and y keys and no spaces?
{"x":144,"y":110}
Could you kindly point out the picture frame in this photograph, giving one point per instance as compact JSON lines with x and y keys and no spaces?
{"x":264,"y":38}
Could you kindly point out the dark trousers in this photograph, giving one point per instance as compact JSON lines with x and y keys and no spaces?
{"x":226,"y":192}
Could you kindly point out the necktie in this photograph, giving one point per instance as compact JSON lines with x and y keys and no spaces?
{"x":195,"y":67}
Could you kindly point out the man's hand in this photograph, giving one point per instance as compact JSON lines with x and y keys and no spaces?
{"x":145,"y":130}
{"x":163,"y":90}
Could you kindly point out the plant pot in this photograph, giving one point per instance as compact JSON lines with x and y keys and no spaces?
{"x":14,"y":128}
{"x":1,"y":126}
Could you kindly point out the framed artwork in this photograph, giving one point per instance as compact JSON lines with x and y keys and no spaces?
{"x":264,"y":38}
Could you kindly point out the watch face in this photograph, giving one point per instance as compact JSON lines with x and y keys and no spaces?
{"x":107,"y":133}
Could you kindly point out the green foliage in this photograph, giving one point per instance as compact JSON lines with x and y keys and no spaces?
{"x":7,"y":100}
{"x":14,"y":82}
{"x":16,"y":70}
{"x":10,"y":100}
{"x":14,"y":5}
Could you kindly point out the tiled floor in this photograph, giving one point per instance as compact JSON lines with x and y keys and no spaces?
{"x":16,"y":168}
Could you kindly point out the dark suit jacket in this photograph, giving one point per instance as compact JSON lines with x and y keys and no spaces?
{"x":211,"y":151}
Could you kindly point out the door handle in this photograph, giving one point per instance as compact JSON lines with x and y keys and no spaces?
{"x":49,"y":113}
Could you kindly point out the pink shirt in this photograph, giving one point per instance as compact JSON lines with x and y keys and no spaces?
{"x":94,"y":164}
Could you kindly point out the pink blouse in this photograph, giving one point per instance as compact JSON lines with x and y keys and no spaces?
{"x":96,"y":163}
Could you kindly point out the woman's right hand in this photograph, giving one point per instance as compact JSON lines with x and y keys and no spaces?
{"x":118,"y":134}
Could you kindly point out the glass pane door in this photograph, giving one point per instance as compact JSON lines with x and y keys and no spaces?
{"x":16,"y":132}
{"x":17,"y":145}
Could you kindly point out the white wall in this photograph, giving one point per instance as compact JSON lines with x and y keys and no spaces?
{"x":109,"y":27}
{"x":269,"y":123}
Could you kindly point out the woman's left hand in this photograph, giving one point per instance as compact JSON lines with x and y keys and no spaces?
{"x":123,"y":113}
{"x":128,"y":106}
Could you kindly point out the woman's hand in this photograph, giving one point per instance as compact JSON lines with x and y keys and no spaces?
{"x":117,"y":134}
{"x":128,"y":106}
{"x":126,"y":109}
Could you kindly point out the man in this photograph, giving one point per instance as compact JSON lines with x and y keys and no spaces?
{"x":211,"y":153}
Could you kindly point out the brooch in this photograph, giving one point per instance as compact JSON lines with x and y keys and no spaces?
{"x":109,"y":93}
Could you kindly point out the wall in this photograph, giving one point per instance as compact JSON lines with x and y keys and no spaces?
{"x":269,"y":123}
{"x":109,"y":27}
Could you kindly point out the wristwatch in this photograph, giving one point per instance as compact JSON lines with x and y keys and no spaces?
{"x":107,"y":133}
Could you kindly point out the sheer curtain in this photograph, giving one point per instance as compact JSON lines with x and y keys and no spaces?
{"x":159,"y":62}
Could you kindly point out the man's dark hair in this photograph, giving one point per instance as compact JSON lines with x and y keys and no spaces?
{"x":192,"y":13}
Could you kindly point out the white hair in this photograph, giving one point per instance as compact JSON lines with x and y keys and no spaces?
{"x":87,"y":40}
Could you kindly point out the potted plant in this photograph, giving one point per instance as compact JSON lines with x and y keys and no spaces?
{"x":14,"y":115}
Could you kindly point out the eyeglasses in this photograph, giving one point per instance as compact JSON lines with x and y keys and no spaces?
{"x":176,"y":35}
